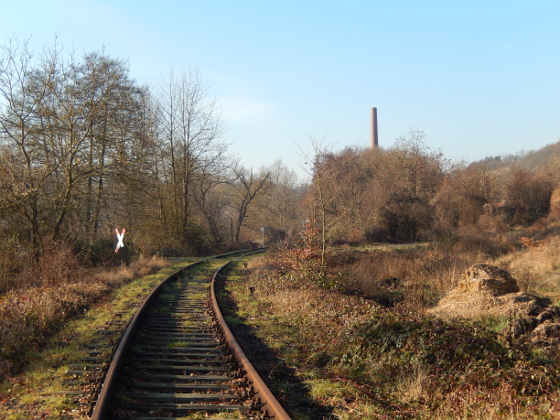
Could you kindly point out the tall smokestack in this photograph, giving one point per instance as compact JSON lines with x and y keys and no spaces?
{"x":374,"y":140}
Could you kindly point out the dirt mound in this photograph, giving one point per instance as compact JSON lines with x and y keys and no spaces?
{"x":540,"y":330}
{"x":486,"y":290}
{"x":488,"y":279}
{"x":489,"y":291}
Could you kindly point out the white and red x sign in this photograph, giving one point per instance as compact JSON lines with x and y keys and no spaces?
{"x":120,"y":237}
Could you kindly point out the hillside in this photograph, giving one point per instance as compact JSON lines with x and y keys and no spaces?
{"x":546,"y":158}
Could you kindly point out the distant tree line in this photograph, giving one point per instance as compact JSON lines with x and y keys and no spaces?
{"x":84,"y":149}
{"x":409,"y":192}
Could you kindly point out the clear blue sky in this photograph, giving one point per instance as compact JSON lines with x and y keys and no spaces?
{"x":479,"y":78}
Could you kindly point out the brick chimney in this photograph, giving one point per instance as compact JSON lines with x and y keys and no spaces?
{"x":374,"y":139}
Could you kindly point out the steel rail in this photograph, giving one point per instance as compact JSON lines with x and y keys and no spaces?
{"x":102,"y":405}
{"x":263,"y":399}
{"x":269,"y":404}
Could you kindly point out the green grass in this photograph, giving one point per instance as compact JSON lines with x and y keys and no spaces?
{"x":40,"y":392}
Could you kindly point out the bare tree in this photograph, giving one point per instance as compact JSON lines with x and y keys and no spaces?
{"x":465,"y":194}
{"x":527,"y":196}
{"x":412,"y":174}
{"x":322,"y":202}
{"x":278,"y":209}
{"x":247,"y":187}
{"x":26,"y":168}
{"x":70,"y":132}
{"x":195,"y":154}
{"x":116,"y":148}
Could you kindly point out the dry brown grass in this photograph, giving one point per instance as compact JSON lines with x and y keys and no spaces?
{"x":48,"y":295}
{"x":413,"y":366}
{"x":56,"y":265}
{"x":415,"y":279}
{"x":536,"y":266}
{"x":414,"y":385}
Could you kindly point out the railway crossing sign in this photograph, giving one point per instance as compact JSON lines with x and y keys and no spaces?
{"x":120,"y":237}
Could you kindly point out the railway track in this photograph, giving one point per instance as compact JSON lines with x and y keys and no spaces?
{"x":177,"y":359}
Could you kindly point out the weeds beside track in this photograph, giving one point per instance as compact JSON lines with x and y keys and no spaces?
{"x":178,"y":364}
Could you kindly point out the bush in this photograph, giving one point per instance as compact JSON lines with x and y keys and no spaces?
{"x":13,"y":259}
{"x":102,"y":253}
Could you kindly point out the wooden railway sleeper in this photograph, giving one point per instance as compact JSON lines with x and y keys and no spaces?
{"x":243,"y":385}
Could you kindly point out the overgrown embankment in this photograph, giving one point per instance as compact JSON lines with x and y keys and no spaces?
{"x":350,"y":357}
{"x":29,"y":315}
{"x":44,"y":388}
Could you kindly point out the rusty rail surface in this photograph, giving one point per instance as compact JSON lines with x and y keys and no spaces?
{"x":103,"y":400}
{"x":268,"y":402}
{"x":262,"y":401}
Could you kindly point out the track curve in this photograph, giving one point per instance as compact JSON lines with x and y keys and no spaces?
{"x":178,"y":359}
